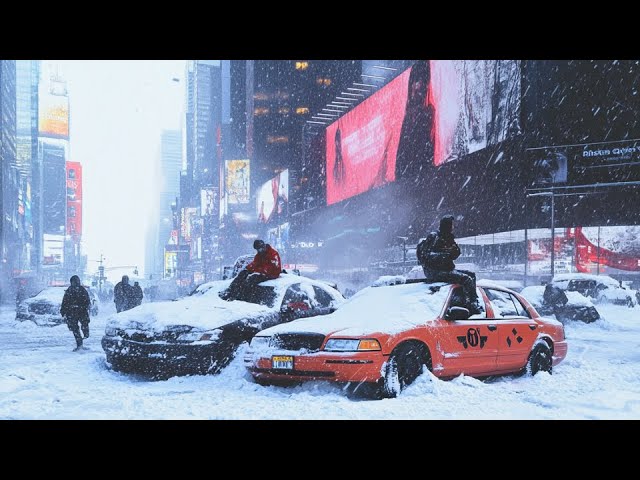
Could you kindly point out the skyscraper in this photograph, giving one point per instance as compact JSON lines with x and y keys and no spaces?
{"x":9,"y":179}
{"x":170,"y":168}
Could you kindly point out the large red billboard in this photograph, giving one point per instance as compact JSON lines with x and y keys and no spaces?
{"x":435,"y":112}
{"x":362,"y":145}
{"x":74,"y":199}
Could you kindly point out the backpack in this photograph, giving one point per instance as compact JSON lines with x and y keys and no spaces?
{"x":424,"y":248}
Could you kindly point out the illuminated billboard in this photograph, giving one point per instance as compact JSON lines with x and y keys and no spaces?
{"x":434,"y":112}
{"x":362,"y":145}
{"x":53,"y":104}
{"x":74,"y":199}
{"x":207,"y":201}
{"x":237,"y":181}
{"x":170,"y":263}
{"x":272,"y":199}
{"x":188,"y":216}
{"x":53,"y":116}
{"x":54,"y":190}
{"x":475,"y":103}
{"x":52,"y":249}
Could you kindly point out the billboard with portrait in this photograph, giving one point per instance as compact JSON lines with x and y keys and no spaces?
{"x":237,"y":181}
{"x":362,"y":145}
{"x":272,"y":199}
{"x":434,"y":112}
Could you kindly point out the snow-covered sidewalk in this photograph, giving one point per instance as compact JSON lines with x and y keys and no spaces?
{"x":41,"y":378}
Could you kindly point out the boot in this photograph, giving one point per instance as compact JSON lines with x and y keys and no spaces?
{"x":78,"y":344}
{"x":475,"y":308}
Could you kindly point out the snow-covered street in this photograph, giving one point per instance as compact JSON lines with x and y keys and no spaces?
{"x":41,"y":378}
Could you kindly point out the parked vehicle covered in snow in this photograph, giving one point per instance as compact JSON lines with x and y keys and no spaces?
{"x":565,"y":305}
{"x":200,"y":333}
{"x":600,"y":288}
{"x":44,"y":307}
{"x":383,"y":337}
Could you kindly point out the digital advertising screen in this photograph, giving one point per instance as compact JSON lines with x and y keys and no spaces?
{"x":476,"y":103}
{"x":362,"y":145}
{"x":54,"y":191}
{"x":74,"y":199}
{"x":53,"y":116}
{"x":237,"y":181}
{"x":272,"y":199}
{"x":435,"y":112}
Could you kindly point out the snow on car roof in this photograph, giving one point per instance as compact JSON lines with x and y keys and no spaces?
{"x":604,"y":279}
{"x":376,"y":309}
{"x":50,"y":294}
{"x":207,"y":310}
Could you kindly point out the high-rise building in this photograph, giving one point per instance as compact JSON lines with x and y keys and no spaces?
{"x":49,"y":174}
{"x":170,"y":169}
{"x":9,"y":180}
{"x":27,"y":81}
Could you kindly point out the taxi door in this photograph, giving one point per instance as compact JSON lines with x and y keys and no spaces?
{"x":468,"y":346}
{"x":516,"y":330}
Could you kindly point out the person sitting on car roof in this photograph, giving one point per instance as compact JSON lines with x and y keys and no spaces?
{"x":436,"y":254}
{"x":266,"y":265}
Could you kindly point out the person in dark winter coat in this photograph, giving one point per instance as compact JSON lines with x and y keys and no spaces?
{"x":137,"y":294}
{"x":436,"y":254}
{"x":266,"y":265}
{"x":123,"y":295}
{"x":75,"y":308}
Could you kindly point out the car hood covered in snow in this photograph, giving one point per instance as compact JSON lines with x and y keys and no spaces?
{"x":376,"y":309}
{"x":203,"y":310}
{"x":53,"y":295}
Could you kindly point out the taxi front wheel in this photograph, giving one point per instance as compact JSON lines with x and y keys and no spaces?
{"x":405,"y":364}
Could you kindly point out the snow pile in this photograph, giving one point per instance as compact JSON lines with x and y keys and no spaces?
{"x":534,"y":294}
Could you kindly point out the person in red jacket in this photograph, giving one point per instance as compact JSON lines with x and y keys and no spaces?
{"x":266,"y":265}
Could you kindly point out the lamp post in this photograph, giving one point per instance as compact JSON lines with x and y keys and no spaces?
{"x":553,"y":229}
{"x":404,"y":249}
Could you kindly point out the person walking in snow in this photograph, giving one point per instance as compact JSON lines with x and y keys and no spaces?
{"x":137,"y":294}
{"x":123,"y":295}
{"x":75,"y":310}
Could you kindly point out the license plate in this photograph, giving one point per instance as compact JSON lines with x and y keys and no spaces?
{"x":282,"y":362}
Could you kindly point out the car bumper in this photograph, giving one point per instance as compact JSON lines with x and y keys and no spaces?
{"x":344,"y":367}
{"x":165,"y":359}
{"x":559,"y":351}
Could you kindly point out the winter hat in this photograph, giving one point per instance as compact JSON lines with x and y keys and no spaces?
{"x":446,"y":224}
{"x":75,"y":280}
{"x":258,"y":244}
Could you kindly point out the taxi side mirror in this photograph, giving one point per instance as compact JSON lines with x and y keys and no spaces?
{"x":457,"y":313}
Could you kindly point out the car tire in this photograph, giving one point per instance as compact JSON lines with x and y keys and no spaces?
{"x":630,"y":303}
{"x":540,"y":360}
{"x":406,"y":363}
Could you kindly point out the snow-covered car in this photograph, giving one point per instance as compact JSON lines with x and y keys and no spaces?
{"x":600,"y":288}
{"x":576,"y":307}
{"x":383,"y":337}
{"x":44,"y":307}
{"x":199,"y":334}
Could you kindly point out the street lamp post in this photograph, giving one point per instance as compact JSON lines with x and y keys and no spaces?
{"x":404,"y":249}
{"x":553,"y":226}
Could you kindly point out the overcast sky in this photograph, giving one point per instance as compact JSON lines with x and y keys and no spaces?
{"x":118,"y":110}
